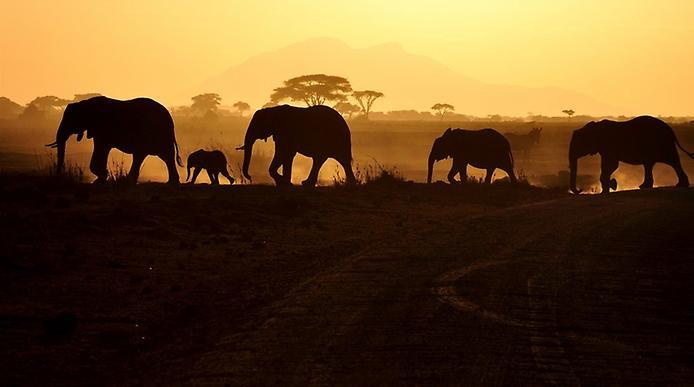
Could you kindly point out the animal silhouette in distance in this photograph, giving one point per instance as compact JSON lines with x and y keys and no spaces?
{"x":213,"y":162}
{"x":484,"y":149}
{"x":642,"y":140}
{"x":140,"y":127}
{"x":318,"y":132}
{"x":524,"y":143}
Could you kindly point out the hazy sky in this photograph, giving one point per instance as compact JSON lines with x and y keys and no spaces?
{"x":635,"y":54}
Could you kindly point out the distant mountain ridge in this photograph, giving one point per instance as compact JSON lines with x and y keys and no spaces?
{"x":408,"y":81}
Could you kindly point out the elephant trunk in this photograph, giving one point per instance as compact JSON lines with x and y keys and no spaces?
{"x":573,"y":167}
{"x":430,"y":168}
{"x":60,"y":141}
{"x":247,"y":152}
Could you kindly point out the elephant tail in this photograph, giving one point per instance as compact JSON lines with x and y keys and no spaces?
{"x":178,"y":156}
{"x":690,"y":154}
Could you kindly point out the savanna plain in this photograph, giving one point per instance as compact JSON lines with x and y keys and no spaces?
{"x":389,"y":282}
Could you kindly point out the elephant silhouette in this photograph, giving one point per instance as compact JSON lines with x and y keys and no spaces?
{"x":318,"y":132}
{"x":213,"y":162}
{"x":484,"y":149}
{"x":642,"y":140}
{"x":140,"y":127}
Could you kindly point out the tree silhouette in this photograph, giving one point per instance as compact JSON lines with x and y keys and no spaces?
{"x":242,"y":107}
{"x":43,"y":107}
{"x":82,"y":97}
{"x":568,"y":112}
{"x":48,"y":103}
{"x":313,"y":89}
{"x":206,"y":104}
{"x":442,"y":109}
{"x":366,"y":98}
{"x":346,"y":108}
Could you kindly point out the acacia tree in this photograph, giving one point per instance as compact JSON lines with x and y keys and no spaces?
{"x":347,"y":109}
{"x":48,"y":103}
{"x":43,"y":107}
{"x":206,"y":104}
{"x":568,"y":112}
{"x":315,"y":89}
{"x":441,"y":109}
{"x":82,"y":97}
{"x":366,"y":99}
{"x":242,"y":107}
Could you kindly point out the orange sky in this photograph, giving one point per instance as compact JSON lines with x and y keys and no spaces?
{"x":634,"y":54}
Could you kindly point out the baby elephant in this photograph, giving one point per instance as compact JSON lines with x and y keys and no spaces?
{"x":214,"y":162}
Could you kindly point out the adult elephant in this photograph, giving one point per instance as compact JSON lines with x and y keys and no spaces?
{"x":318,"y":132}
{"x":485,"y":149}
{"x":140,"y":127}
{"x":643,"y":141}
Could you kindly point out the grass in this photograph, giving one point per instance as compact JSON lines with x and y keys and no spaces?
{"x":372,"y":174}
{"x":72,"y":173}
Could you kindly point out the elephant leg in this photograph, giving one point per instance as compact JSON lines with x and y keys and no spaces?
{"x":211,"y":176}
{"x":455,"y":169}
{"x":647,"y":176}
{"x":196,"y":172}
{"x":134,"y":174}
{"x":274,"y":166}
{"x":490,"y":174}
{"x":98,"y":163}
{"x":607,"y":167}
{"x":681,"y":175}
{"x":312,"y":178}
{"x":349,"y":173}
{"x":287,"y":162}
{"x":169,"y":159}
{"x":462,"y":169}
{"x":511,"y":174}
{"x":225,"y":173}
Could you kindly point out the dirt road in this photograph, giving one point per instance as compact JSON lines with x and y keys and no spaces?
{"x":408,"y":284}
{"x":589,"y":290}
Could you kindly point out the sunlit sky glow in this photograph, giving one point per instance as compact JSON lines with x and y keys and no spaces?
{"x":635,"y":54}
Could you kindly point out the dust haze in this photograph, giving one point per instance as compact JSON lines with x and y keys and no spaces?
{"x":505,"y":200}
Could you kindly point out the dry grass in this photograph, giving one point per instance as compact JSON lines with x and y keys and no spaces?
{"x":373,"y":173}
{"x":72,"y":173}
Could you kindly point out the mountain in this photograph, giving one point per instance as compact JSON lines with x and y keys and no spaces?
{"x":408,"y":81}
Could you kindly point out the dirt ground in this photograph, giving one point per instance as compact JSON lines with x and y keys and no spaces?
{"x":381,"y":284}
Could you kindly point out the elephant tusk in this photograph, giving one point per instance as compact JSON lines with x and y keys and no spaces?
{"x":242,"y":147}
{"x":52,"y":145}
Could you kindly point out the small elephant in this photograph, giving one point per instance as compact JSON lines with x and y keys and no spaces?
{"x":485,"y":149}
{"x":214,"y":162}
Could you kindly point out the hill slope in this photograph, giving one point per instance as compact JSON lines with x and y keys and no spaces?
{"x":409,"y":81}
